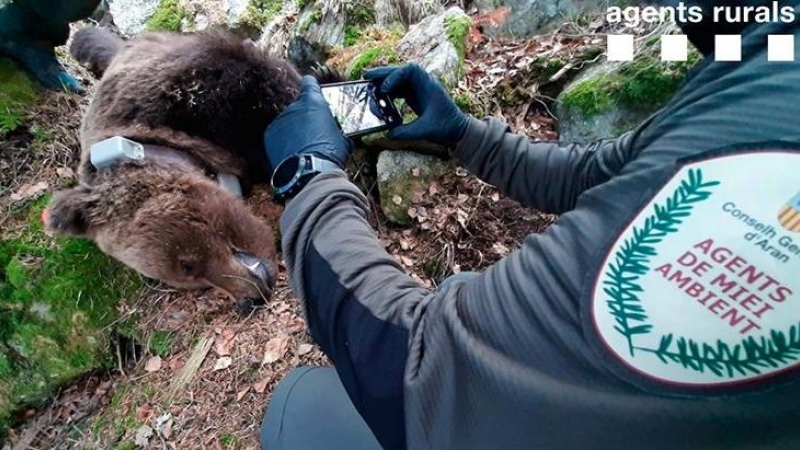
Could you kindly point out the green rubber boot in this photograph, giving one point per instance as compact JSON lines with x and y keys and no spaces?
{"x":31,"y":29}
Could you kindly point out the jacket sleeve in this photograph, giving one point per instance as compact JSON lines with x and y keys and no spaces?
{"x":359,"y":304}
{"x":368,"y":316}
{"x":546,"y":175}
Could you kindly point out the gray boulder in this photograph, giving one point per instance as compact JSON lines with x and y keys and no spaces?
{"x":321,"y":22}
{"x":305,"y":31}
{"x":131,"y":16}
{"x":401,"y":174}
{"x":407,"y":12}
{"x":438,"y":44}
{"x":247,"y":16}
{"x":278,"y":33}
{"x":532,"y":17}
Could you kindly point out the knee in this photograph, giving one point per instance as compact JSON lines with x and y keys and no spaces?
{"x":272,"y":423}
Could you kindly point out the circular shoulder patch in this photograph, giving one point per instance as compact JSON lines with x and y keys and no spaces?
{"x":703,"y":287}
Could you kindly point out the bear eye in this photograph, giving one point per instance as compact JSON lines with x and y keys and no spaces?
{"x":187,"y":268}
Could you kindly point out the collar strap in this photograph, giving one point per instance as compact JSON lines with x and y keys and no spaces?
{"x":118,"y":149}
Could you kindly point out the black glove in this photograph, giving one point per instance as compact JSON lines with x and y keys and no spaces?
{"x":307,"y":126}
{"x":439,"y":120}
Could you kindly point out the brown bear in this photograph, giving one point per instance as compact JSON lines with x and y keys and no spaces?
{"x":198,"y":104}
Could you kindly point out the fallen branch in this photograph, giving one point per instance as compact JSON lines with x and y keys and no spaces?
{"x":185,"y":377}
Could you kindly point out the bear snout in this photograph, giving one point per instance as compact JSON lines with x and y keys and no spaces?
{"x":256,"y":267}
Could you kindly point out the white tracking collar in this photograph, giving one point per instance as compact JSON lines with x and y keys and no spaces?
{"x":118,"y":149}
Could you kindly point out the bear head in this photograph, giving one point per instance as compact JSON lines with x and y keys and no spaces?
{"x":177,"y":227}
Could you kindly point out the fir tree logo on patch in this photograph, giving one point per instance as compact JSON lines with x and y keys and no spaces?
{"x":789,"y":216}
{"x":684,"y":297}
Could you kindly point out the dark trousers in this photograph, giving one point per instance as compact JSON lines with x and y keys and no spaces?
{"x":310,"y":410}
{"x":42,"y":22}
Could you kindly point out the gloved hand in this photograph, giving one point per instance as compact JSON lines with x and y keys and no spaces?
{"x":307,"y":126}
{"x":439,"y":121}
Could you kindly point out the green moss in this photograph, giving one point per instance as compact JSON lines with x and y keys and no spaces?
{"x":547,"y":67}
{"x":168,"y":16}
{"x":312,"y":18}
{"x":301,"y":4}
{"x":640,"y":84}
{"x":589,"y":97}
{"x":58,"y":306}
{"x":374,"y":57}
{"x":17,"y":91}
{"x":260,"y":12}
{"x":41,"y":135}
{"x":351,"y":35}
{"x":161,"y":343}
{"x":457,"y":30}
{"x":316,"y":15}
{"x":115,"y":425}
{"x":464,"y":102}
{"x":125,"y":446}
{"x":228,"y":440}
{"x":360,"y":13}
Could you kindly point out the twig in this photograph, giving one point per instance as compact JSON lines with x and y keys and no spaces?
{"x":191,"y":367}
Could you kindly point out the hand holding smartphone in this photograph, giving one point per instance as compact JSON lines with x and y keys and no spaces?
{"x":360,"y":107}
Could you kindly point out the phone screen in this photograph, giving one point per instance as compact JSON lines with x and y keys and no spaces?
{"x":354,"y":106}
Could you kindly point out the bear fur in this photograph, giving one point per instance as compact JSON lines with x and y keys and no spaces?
{"x":208,"y":96}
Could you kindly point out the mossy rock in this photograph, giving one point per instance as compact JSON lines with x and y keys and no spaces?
{"x":359,"y":14}
{"x":320,"y":25}
{"x":17,"y":91}
{"x":612,"y":98}
{"x":438,"y":44}
{"x":59,"y":303}
{"x":458,"y":26}
{"x":372,"y":47}
{"x":374,"y":57}
{"x":401,"y":174}
{"x":169,"y":16}
{"x":258,"y":14}
{"x":536,"y":17}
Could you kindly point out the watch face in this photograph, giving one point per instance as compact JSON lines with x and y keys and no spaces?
{"x":285,"y":172}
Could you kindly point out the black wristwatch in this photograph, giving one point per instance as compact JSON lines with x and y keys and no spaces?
{"x":294,"y":172}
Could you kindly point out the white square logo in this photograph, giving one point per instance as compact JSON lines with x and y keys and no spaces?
{"x":674,"y":47}
{"x":781,"y":47}
{"x":728,"y":47}
{"x":620,"y":47}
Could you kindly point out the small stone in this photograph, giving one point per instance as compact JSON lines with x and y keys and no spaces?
{"x":65,"y":172}
{"x":153,"y":364}
{"x":143,"y":435}
{"x":500,"y":249}
{"x":223,"y":363}
{"x":304,"y":349}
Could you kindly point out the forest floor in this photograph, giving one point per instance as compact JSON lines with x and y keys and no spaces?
{"x":206,"y":372}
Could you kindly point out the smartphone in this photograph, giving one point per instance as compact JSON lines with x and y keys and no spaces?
{"x":360,"y":107}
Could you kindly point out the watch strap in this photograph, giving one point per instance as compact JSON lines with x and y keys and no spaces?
{"x":320,"y":165}
{"x":308,"y":167}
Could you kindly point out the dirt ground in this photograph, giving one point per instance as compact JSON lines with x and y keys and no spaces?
{"x":211,"y":377}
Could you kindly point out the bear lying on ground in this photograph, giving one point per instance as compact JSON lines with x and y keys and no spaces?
{"x":200,"y":104}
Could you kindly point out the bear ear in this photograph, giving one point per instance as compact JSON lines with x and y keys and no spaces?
{"x":68,"y":212}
